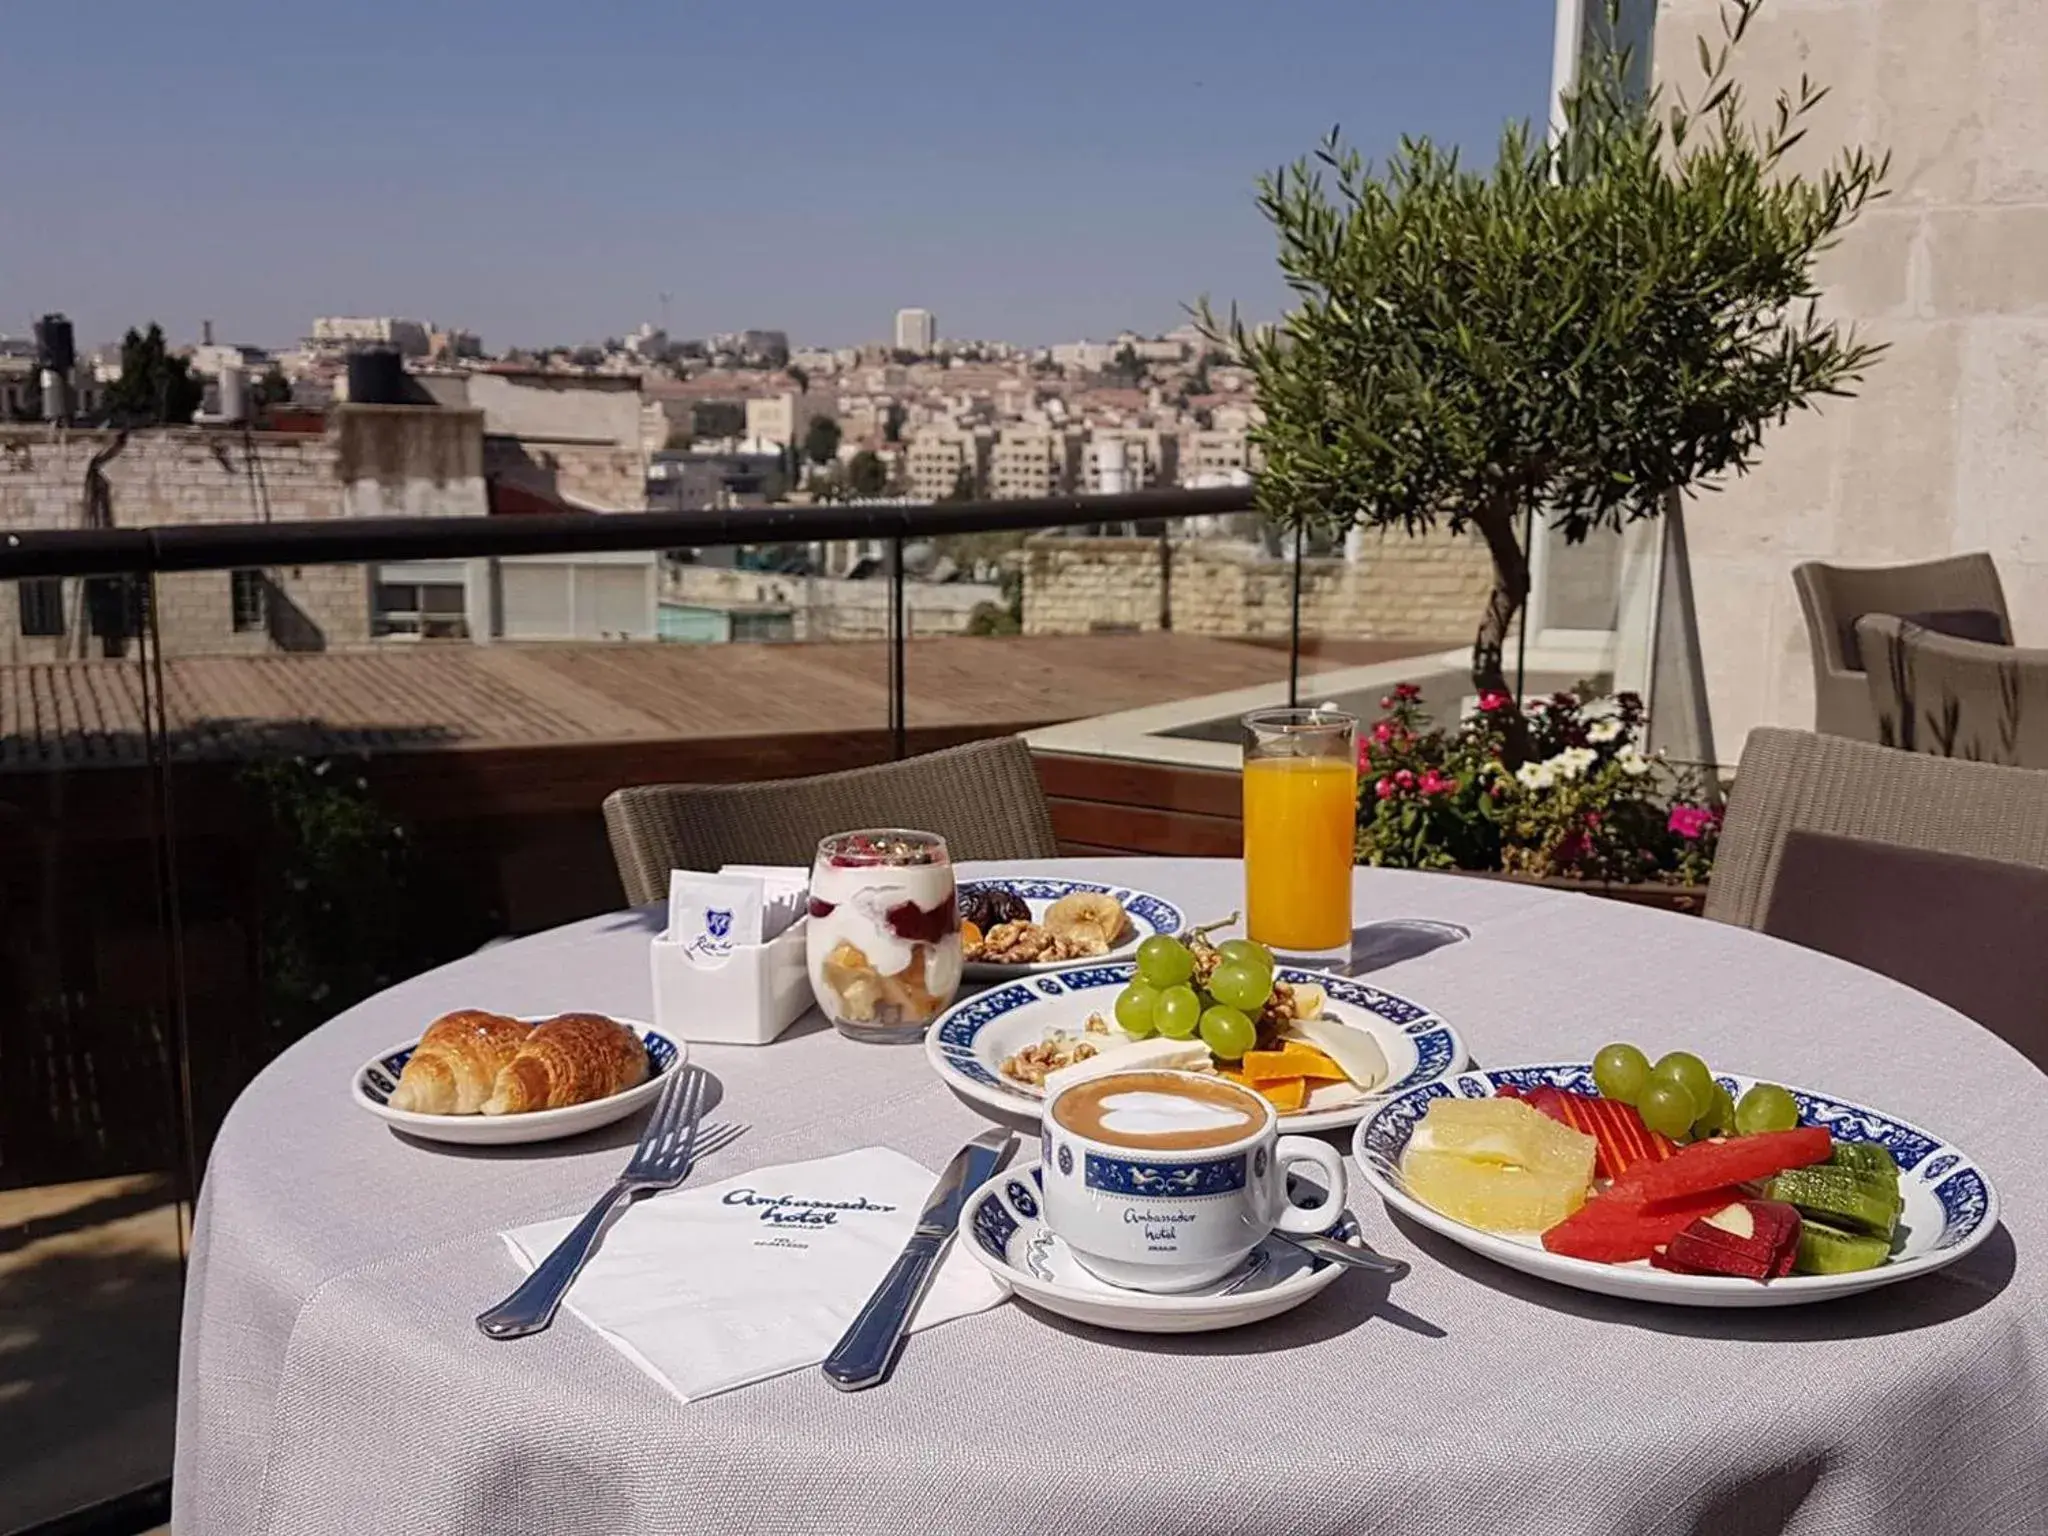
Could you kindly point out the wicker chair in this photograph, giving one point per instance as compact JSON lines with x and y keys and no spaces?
{"x":1934,"y":693}
{"x":1796,"y":779}
{"x":983,"y":798}
{"x":1931,"y":871}
{"x":1834,"y":597}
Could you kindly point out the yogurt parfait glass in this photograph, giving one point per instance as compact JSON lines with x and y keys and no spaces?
{"x":884,"y":940}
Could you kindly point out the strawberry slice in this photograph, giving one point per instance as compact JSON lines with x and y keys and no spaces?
{"x":1615,"y":1232}
{"x":1620,"y":1138}
{"x":1710,"y":1164}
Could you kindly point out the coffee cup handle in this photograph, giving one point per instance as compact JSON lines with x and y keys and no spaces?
{"x":1307,"y":1220}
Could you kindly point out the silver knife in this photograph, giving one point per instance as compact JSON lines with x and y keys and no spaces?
{"x":863,"y":1357}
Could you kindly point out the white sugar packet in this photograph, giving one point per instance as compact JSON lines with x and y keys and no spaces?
{"x":785,"y":893}
{"x":707,"y":1289}
{"x":712,"y":914}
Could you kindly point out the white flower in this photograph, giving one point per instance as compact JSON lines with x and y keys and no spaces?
{"x":1606,"y":708}
{"x":1536,"y":775}
{"x":1605,"y":729}
{"x":1572,"y":762}
{"x":1631,"y":762}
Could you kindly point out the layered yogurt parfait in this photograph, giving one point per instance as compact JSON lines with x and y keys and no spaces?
{"x":884,"y":940}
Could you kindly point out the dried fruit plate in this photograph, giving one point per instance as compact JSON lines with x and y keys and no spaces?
{"x":1950,"y":1206}
{"x":969,"y":1042}
{"x":1148,"y":914}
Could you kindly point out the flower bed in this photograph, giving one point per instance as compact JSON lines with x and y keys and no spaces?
{"x":1580,"y":802}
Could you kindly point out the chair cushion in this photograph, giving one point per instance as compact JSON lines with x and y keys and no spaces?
{"x":1979,"y":624}
{"x":1967,"y":931}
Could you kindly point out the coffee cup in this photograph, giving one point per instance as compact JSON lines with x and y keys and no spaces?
{"x":1165,"y":1181}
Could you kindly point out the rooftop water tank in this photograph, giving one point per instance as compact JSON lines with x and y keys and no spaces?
{"x":376,"y":376}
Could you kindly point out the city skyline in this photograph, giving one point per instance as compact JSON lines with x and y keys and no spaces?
{"x":813,"y":171}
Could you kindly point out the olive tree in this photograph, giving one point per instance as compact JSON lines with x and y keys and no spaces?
{"x":1599,"y":319}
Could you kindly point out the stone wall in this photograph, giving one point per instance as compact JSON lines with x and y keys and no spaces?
{"x":1397,"y":587}
{"x":1945,"y":448}
{"x":604,"y":478}
{"x":372,"y":461}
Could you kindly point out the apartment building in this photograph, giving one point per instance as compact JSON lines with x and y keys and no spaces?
{"x":340,"y":331}
{"x":784,"y":417}
{"x":1119,"y":459}
{"x":1218,"y":456}
{"x":1034,"y":461}
{"x":940,"y":459}
{"x":917,"y":330}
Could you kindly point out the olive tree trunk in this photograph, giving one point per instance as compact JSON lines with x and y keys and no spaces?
{"x":1496,"y":523}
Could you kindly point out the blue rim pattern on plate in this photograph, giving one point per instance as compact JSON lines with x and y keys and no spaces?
{"x":1960,"y":1189}
{"x":380,"y":1080}
{"x":1435,"y":1045}
{"x":1161,"y":915}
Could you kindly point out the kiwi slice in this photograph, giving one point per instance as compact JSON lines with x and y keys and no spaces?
{"x":1864,"y":1157}
{"x":1826,"y":1250}
{"x":1844,"y":1196}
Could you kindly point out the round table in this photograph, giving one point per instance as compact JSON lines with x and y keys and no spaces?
{"x":332,"y":1378}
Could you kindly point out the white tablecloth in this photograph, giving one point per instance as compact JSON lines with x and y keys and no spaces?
{"x":332,"y":1380}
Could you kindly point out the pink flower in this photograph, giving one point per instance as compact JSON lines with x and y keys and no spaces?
{"x":1383,"y":733}
{"x":1387,"y":701}
{"x":1689,"y":821}
{"x":1492,"y":700}
{"x":1364,"y":756}
{"x":1405,"y":691}
{"x":1434,"y":783}
{"x":1384,"y":789}
{"x":1592,"y":818}
{"x":1405,"y":779}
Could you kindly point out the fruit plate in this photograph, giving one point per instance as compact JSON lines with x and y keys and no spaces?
{"x":1149,"y":914}
{"x":1001,"y":1226}
{"x":969,"y":1042}
{"x":377,"y":1078}
{"x":1950,"y":1206}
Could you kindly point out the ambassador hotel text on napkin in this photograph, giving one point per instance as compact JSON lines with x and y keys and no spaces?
{"x":710,"y":1288}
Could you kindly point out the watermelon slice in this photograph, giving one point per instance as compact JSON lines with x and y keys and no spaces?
{"x":1710,"y":1164}
{"x":1621,"y":1140}
{"x":1614,"y":1232}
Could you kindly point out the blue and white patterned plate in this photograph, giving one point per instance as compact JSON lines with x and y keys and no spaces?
{"x":377,"y":1078}
{"x":1002,"y":1225}
{"x":1149,"y":914}
{"x":1950,"y":1204}
{"x":968,"y":1044}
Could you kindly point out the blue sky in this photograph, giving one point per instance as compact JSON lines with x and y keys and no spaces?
{"x":543,"y":171}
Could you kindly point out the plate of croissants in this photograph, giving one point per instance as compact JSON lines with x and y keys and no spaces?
{"x":488,"y":1079}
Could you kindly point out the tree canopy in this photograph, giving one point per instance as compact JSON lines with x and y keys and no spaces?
{"x":155,"y":386}
{"x":1577,"y":332}
{"x":821,"y":440}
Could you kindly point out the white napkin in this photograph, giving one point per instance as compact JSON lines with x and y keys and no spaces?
{"x":709,"y":1288}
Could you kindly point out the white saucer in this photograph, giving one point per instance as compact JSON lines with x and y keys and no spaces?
{"x":1002,"y":1227}
{"x":376,"y":1079}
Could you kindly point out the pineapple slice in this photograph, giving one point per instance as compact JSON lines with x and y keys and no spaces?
{"x":1497,"y":1164}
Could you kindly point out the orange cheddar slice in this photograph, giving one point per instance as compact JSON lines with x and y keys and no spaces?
{"x":1293,"y":1059}
{"x":1284,"y":1094}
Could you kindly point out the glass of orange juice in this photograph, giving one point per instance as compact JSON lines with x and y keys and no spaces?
{"x":1300,"y":827}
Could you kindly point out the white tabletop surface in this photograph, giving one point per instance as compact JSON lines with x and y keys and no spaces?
{"x":333,"y":1381}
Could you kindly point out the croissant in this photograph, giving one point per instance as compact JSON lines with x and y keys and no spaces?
{"x":571,"y":1059}
{"x":457,"y":1061}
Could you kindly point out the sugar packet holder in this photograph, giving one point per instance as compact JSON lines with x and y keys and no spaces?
{"x":716,"y":979}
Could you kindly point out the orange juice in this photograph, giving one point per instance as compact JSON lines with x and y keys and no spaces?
{"x":1300,"y":831}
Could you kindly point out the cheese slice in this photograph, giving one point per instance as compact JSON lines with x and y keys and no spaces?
{"x":1354,"y":1050}
{"x":1156,"y":1054}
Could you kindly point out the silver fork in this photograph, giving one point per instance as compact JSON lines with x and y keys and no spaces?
{"x":669,"y":1146}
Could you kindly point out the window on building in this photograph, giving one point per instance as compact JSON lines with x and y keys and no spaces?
{"x":117,"y":607}
{"x":42,"y":605}
{"x":249,"y":600}
{"x":427,"y":610}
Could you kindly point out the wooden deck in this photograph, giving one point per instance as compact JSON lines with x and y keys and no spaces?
{"x":428,"y":696}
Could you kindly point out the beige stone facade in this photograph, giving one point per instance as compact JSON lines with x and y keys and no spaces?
{"x":372,"y":461}
{"x":1946,"y":446}
{"x":1427,"y":587}
{"x":935,"y":460}
{"x":1034,"y":461}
